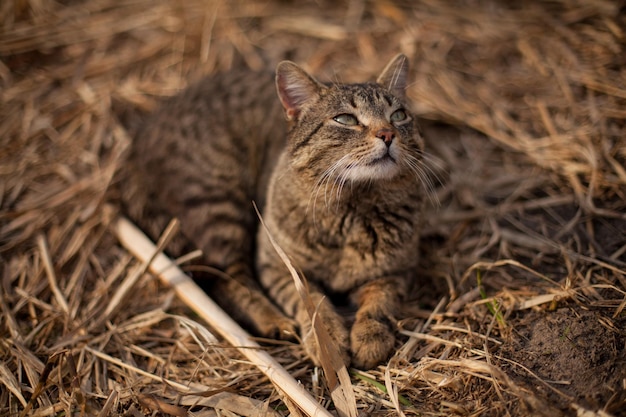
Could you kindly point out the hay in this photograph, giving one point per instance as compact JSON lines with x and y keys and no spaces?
{"x":524,"y":112}
{"x":207,"y":309}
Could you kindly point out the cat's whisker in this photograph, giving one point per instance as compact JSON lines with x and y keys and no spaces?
{"x":423,"y":173}
{"x":333,"y":179}
{"x":432,"y":165}
{"x":316,"y":191}
{"x":338,"y":186}
{"x":397,"y":74}
{"x":315,"y":195}
{"x":326,"y":179}
{"x":341,"y":185}
{"x":336,"y":177}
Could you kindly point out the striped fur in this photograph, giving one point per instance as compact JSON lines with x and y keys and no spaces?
{"x":340,"y":186}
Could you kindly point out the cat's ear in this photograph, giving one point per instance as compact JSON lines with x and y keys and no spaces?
{"x":295,"y":88}
{"x":395,"y":76}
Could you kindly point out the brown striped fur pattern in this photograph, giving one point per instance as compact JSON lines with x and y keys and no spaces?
{"x":340,"y":187}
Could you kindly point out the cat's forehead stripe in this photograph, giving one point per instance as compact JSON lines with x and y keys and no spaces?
{"x":363,"y":96}
{"x":371,"y":94}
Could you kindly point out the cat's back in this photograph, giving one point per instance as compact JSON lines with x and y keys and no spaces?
{"x":238,"y":107}
{"x":211,"y":147}
{"x":227,"y":127}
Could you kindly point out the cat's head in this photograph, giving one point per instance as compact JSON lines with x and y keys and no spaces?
{"x":350,"y":132}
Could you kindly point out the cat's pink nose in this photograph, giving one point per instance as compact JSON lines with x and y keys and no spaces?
{"x":386,"y":135}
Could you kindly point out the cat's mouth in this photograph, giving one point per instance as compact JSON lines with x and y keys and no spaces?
{"x":379,"y":167}
{"x":386,"y":158}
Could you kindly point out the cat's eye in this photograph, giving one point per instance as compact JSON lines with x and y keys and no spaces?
{"x":399,"y":116}
{"x":346,"y":119}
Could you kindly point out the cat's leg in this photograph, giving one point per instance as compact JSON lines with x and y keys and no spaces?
{"x":216,"y":223}
{"x":330,"y":319}
{"x":280,"y":286}
{"x":229,"y":280}
{"x":244,"y":300}
{"x":372,"y":335}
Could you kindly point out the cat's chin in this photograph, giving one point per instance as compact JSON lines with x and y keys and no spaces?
{"x":384,"y":168}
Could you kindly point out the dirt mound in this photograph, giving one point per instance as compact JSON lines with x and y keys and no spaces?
{"x":580,"y":352}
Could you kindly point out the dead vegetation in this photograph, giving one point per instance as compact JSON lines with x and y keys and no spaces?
{"x":520,"y":308}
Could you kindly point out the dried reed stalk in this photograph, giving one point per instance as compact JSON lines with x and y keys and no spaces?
{"x":335,"y":370}
{"x":136,"y":242}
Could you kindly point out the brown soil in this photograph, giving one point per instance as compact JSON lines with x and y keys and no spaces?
{"x":580,"y":352}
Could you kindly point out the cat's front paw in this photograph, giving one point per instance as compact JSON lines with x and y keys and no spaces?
{"x":336,"y":330}
{"x":278,"y":327}
{"x":371,"y":341}
{"x":267,"y":321}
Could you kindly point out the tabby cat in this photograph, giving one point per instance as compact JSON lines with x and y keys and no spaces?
{"x":339,"y":186}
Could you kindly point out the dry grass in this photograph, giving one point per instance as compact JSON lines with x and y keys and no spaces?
{"x":531,"y":229}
